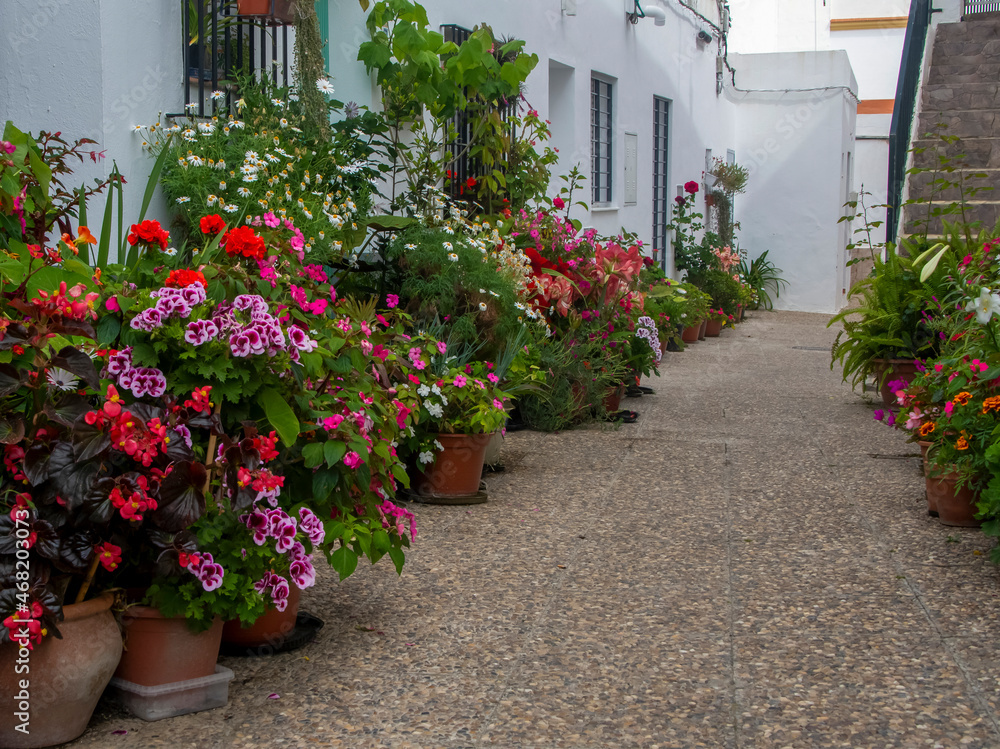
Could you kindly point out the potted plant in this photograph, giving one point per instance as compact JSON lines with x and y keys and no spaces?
{"x":456,"y":412}
{"x":888,"y":327}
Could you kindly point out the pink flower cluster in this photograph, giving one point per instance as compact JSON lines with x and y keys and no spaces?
{"x":208,"y":572}
{"x":277,"y":585}
{"x":396,"y":517}
{"x":263,"y":334}
{"x":141,"y":381}
{"x":316,"y":307}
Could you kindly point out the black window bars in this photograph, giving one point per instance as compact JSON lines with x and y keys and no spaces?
{"x":219,"y":45}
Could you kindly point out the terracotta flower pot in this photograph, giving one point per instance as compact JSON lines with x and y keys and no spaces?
{"x":456,"y":470}
{"x":899,"y":369}
{"x":66,"y":676}
{"x":739,"y":313}
{"x":271,"y":630}
{"x":613,"y":398}
{"x":690,"y":333}
{"x":955,"y":507}
{"x":713,"y":328}
{"x":702,"y":330}
{"x":931,"y":499}
{"x":283,"y":10}
{"x":162,"y":650}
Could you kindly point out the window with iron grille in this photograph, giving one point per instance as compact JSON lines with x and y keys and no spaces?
{"x":461,"y":166}
{"x":661,"y":197}
{"x":220,"y":45}
{"x":600,"y":139}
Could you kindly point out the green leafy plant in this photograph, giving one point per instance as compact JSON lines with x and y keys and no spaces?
{"x":763,"y":278}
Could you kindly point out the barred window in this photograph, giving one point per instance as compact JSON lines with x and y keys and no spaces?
{"x":661,"y":197}
{"x":600,"y":139}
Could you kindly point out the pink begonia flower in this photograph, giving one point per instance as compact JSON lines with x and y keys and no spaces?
{"x":391,"y":301}
{"x":332,"y":422}
{"x":271,"y":220}
{"x":414,"y":353}
{"x":401,"y":413}
{"x":949,"y":407}
{"x":112,"y":304}
{"x":6,"y":147}
{"x":420,"y":364}
{"x":366,"y":347}
{"x":493,"y":378}
{"x":498,"y":404}
{"x":913,"y":422}
{"x":460,"y":381}
{"x":442,"y":347}
{"x":385,"y":323}
{"x":352,"y":460}
{"x":939,"y":367}
{"x":414,"y":379}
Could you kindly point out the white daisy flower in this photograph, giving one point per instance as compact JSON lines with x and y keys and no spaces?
{"x":60,"y":379}
{"x":136,"y":128}
{"x":453,"y":257}
{"x":218,"y":95}
{"x":183,"y":199}
{"x":482,"y":306}
{"x":410,"y":246}
{"x":170,"y":251}
{"x":243,"y":192}
{"x":324,"y":85}
{"x":231,"y":208}
{"x":447,"y":246}
{"x":283,"y":122}
{"x":212,"y":200}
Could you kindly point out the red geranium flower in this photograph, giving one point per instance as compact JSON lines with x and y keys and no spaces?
{"x":242,"y":241}
{"x":109,"y":555}
{"x":179,"y":279}
{"x":213,"y":224}
{"x":470,"y":182}
{"x":691,"y":187}
{"x":148,"y":233}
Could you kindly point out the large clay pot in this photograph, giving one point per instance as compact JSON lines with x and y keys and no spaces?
{"x":613,"y":398}
{"x":713,"y":328}
{"x":270,"y":631}
{"x":690,"y":334}
{"x":898,"y":369}
{"x":283,"y":10}
{"x":161,"y":650}
{"x":739,"y":313}
{"x":931,"y":499}
{"x":956,"y":507}
{"x":66,"y":676}
{"x":702,"y":330}
{"x":456,"y":470}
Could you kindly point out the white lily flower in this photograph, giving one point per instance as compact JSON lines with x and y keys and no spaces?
{"x":985,"y":306}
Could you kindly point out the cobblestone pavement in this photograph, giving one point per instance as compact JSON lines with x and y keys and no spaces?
{"x":750,"y":565}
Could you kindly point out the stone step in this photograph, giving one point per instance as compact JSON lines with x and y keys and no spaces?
{"x":965,"y":52}
{"x":974,"y":153}
{"x":947,"y":97}
{"x":982,"y":123}
{"x":988,"y":214}
{"x":965,"y":73}
{"x":982,"y":29}
{"x":929,"y":184}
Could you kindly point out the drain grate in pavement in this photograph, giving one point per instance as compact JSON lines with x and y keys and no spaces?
{"x":811,"y":348}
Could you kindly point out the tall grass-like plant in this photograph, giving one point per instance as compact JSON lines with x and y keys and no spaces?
{"x":764,"y":277}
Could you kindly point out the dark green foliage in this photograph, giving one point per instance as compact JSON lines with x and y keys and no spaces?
{"x":889,"y":321}
{"x":764,"y":277}
{"x":721,"y":287}
{"x":442,"y":286}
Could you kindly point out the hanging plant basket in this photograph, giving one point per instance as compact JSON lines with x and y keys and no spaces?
{"x":277,"y":10}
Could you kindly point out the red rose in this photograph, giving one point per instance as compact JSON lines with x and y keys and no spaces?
{"x":470,"y":182}
{"x":691,"y":187}
{"x":558,"y":203}
{"x":178,"y":279}
{"x":242,"y":241}
{"x":148,"y":233}
{"x":213,"y":224}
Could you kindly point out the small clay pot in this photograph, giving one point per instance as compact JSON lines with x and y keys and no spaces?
{"x":613,"y":398}
{"x":456,"y":470}
{"x":713,"y":328}
{"x":702,"y":331}
{"x":271,"y":630}
{"x":955,"y":507}
{"x":898,"y":369}
{"x":690,"y":334}
{"x":931,"y":499}
{"x":163,"y":650}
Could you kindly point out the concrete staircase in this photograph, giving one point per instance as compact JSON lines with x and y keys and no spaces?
{"x":960,"y":97}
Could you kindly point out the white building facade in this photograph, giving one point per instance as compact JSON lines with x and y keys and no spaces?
{"x":671,"y":93}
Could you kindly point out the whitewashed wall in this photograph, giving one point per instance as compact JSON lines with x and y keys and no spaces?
{"x":93,"y":69}
{"x":799,"y":145}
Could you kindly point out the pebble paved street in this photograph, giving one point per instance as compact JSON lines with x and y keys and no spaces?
{"x":749,"y":565}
